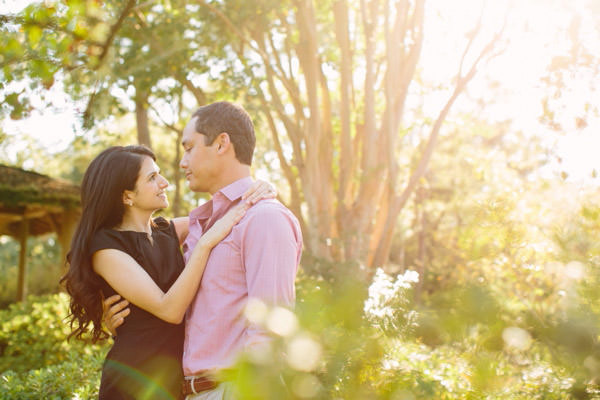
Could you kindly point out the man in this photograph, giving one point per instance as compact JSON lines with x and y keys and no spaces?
{"x":259,"y":259}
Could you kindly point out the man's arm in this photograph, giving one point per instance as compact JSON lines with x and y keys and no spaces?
{"x":114,"y":313}
{"x":271,"y":247}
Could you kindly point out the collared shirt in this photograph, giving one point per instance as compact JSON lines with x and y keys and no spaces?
{"x":258,"y":259}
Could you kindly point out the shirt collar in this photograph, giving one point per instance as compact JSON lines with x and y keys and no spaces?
{"x":235,"y":190}
{"x":202,"y":212}
{"x":229,"y":193}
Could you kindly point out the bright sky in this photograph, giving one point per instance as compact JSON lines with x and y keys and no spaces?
{"x":536,"y":31}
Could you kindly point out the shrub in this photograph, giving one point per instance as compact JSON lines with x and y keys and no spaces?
{"x":349,"y":341}
{"x":34,"y":333}
{"x":78,"y":379}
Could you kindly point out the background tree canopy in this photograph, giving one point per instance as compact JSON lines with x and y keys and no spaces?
{"x":452,"y":139}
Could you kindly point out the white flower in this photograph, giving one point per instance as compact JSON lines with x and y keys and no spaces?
{"x":387,"y":295}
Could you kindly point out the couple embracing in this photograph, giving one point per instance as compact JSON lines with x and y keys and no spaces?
{"x":181,"y":322}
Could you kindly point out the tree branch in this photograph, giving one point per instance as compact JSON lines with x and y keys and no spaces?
{"x":111,"y":36}
{"x":113,"y":32}
{"x":51,"y":25}
{"x":382,"y":252}
{"x":170,"y":126}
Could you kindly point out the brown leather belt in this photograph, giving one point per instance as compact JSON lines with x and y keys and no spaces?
{"x":197,"y":384}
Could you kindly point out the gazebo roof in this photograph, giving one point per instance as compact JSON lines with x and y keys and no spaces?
{"x":39,"y":198}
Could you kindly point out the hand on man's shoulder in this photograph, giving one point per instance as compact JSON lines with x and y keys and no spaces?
{"x":268,"y":219}
{"x":270,"y":210}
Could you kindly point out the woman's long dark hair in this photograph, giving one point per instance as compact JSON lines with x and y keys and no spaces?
{"x":113,"y":171}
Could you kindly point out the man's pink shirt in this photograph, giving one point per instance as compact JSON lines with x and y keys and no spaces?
{"x":258,"y":259}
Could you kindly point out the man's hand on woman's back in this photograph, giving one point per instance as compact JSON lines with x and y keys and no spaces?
{"x":115,"y":311}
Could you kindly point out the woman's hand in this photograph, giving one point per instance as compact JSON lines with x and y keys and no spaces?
{"x":222,"y":227}
{"x":132,"y":282}
{"x":258,"y":191}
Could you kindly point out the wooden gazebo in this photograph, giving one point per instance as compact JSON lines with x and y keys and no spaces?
{"x":32,"y":204}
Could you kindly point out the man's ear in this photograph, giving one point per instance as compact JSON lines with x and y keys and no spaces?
{"x":223,"y":142}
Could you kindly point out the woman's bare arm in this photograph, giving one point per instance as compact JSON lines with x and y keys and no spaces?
{"x":132,"y":282}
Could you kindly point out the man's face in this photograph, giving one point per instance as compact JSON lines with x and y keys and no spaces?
{"x":199,"y":160}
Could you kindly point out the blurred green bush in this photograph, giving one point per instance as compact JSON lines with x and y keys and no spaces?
{"x":517,"y":328}
{"x":78,"y":378}
{"x":36,"y":361}
{"x":349,"y":340}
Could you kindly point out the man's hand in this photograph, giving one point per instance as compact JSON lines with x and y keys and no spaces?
{"x":114,"y":313}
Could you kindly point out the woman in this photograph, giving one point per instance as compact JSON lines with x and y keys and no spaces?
{"x":119,"y":249}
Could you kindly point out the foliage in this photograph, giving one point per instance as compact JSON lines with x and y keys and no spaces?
{"x":77,"y":378}
{"x":45,"y":41}
{"x":331,"y":80}
{"x":12,"y":197}
{"x":350,"y":340}
{"x":43,"y":267}
{"x":467,"y":343}
{"x":566,"y":108}
{"x":113,"y":59}
{"x":506,"y":304}
{"x":123,"y":57}
{"x":36,"y":361}
{"x":34,"y":335}
{"x":479,"y":213}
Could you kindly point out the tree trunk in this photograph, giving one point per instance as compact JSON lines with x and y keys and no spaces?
{"x":344,"y":200}
{"x":345,"y":144}
{"x":176,"y":207}
{"x":22,"y":279}
{"x":317,"y":183}
{"x":65,"y":227}
{"x":141,"y":117}
{"x":421,"y":216}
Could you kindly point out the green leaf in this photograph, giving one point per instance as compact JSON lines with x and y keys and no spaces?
{"x":34,"y":34}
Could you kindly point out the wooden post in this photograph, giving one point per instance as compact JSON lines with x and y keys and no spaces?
{"x":65,"y":231}
{"x":22,"y":281}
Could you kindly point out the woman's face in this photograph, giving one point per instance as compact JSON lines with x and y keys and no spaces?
{"x":150,"y":188}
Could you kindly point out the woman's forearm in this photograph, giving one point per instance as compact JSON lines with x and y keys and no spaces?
{"x":174,"y":303}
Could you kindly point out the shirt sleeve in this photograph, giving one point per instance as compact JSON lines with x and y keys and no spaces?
{"x":271,"y":247}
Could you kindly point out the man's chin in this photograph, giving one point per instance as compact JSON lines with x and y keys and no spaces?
{"x":194,"y":187}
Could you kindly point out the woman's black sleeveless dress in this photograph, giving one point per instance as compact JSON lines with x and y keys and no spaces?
{"x":145,"y":359}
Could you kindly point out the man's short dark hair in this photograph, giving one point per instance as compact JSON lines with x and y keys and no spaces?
{"x":216,"y":118}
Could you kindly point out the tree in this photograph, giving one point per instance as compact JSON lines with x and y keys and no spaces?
{"x":117,"y":57}
{"x":332,"y":79}
{"x":45,"y":42}
{"x":575,"y":64}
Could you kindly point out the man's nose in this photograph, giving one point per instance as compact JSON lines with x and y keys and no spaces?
{"x":164,"y":183}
